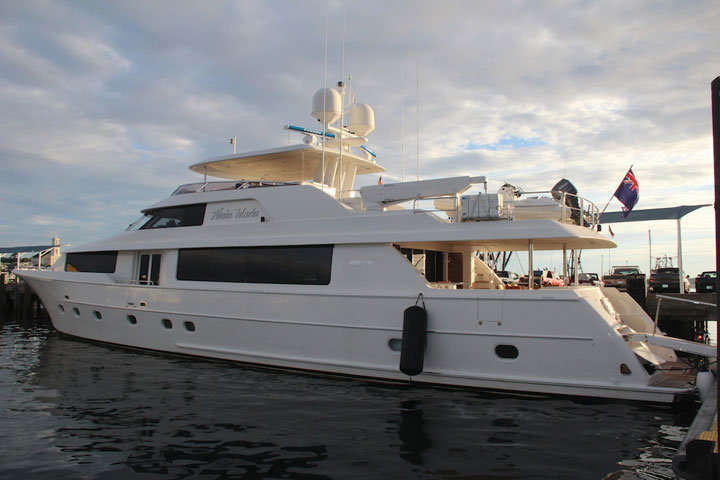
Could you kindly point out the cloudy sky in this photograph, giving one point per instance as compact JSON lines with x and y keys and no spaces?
{"x":103,"y":105}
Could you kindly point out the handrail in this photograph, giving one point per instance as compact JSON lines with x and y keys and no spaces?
{"x":695,"y":302}
{"x":225,"y":185}
{"x":587,"y":210}
{"x":660,"y":299}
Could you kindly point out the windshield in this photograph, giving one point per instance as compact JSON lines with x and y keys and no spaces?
{"x":625,"y":271}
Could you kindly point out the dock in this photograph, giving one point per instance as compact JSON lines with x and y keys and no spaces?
{"x":686,"y":318}
{"x":697,"y":456}
{"x":18,"y":298}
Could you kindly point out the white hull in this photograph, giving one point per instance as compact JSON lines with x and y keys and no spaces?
{"x":554,"y":331}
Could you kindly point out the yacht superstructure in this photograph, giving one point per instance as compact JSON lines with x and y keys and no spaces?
{"x":284,"y":263}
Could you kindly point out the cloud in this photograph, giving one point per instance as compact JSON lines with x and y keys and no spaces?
{"x":103,"y":105}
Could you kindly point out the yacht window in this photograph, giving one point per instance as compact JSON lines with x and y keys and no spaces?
{"x":434,"y":266}
{"x":98,"y":262}
{"x":298,"y":265}
{"x":149,"y":269}
{"x":182,"y":216}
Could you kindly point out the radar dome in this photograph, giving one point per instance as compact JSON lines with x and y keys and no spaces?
{"x":326,"y":105}
{"x":361,"y":119}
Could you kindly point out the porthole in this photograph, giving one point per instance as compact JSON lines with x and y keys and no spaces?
{"x":61,"y":308}
{"x":76,"y":311}
{"x":97,"y":315}
{"x":395,"y":344}
{"x":189,"y":326}
{"x":132,"y":320}
{"x":624,"y":369}
{"x":167,"y":323}
{"x":508,"y":352}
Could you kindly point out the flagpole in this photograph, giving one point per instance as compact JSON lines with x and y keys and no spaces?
{"x":611,"y":196}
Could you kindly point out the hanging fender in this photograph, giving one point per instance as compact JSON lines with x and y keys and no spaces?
{"x":414,"y":339}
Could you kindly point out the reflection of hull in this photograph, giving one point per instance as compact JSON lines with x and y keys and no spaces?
{"x":110,"y":412}
{"x":563,"y":337}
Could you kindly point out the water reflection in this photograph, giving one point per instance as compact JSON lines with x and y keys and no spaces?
{"x":411,"y":433}
{"x":85,"y":410}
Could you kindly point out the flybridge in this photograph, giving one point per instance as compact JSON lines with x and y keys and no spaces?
{"x":329,"y":158}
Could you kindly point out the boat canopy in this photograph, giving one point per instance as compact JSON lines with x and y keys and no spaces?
{"x":296,"y":163}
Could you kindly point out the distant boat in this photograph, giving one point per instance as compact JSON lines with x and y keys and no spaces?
{"x":284,"y":263}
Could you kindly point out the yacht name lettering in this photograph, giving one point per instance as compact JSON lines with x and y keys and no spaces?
{"x":223,"y":213}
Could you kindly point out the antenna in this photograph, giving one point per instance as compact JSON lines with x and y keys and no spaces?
{"x":402,"y":138}
{"x":417,"y":119}
{"x":341,"y":177}
{"x":322,"y":185}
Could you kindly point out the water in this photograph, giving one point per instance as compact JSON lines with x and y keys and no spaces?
{"x":78,"y":410}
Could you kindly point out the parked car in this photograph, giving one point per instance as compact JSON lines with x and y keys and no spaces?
{"x":508,"y":277}
{"x":667,"y":280}
{"x":589,"y":279}
{"x":706,"y":282}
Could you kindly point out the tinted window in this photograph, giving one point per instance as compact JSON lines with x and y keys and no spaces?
{"x":182,"y":216}
{"x":98,"y":262}
{"x":306,"y":265}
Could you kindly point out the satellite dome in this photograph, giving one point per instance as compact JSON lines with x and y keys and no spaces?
{"x":326,"y":105}
{"x":361,"y":119}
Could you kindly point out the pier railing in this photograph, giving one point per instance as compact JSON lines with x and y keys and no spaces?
{"x":685,"y":300}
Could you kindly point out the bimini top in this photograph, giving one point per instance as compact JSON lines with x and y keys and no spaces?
{"x":296,"y":163}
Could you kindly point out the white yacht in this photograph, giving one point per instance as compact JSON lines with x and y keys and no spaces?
{"x":284,"y":263}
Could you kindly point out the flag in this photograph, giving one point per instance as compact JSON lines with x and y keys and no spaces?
{"x":628,"y":192}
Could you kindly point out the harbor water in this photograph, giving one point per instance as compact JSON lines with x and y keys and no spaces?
{"x":78,"y":410}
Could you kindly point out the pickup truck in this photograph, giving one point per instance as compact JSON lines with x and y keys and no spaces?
{"x":552,"y":279}
{"x":618,"y":277}
{"x":667,"y":279}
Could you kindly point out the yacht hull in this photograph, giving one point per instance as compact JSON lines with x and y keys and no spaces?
{"x":563,"y":344}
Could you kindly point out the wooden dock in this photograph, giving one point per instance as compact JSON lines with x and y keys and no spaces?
{"x":18,"y":298}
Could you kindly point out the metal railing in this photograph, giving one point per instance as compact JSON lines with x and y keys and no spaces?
{"x":660,"y":299}
{"x":225,"y":185}
{"x":586,"y":213}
